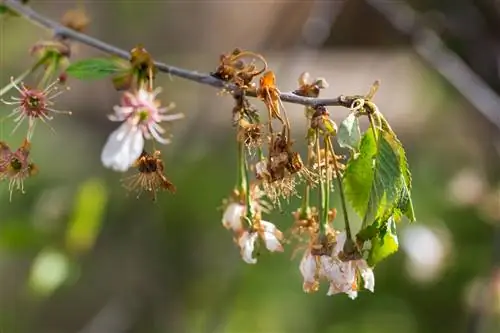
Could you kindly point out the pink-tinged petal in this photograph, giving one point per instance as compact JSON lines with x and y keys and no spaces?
{"x":122,"y":148}
{"x":247,"y":245}
{"x":231,"y":218}
{"x":171,"y":117}
{"x":121,"y":113}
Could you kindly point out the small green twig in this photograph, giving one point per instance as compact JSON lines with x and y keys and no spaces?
{"x":341,"y":190}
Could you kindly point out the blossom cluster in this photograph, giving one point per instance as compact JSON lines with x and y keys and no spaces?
{"x":270,"y":170}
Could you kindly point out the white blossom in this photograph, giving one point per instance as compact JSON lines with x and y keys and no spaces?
{"x":140,"y":114}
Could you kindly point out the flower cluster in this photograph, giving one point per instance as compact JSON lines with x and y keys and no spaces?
{"x":34,"y":103}
{"x":373,"y":176}
{"x":330,"y":255}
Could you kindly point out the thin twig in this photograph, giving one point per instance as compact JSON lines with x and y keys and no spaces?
{"x":203,"y":78}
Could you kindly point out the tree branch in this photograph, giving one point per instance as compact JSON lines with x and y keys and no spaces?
{"x":203,"y":78}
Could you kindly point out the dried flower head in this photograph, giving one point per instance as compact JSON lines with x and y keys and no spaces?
{"x":282,"y":170}
{"x":34,"y":104}
{"x":239,"y":67}
{"x":16,"y":166}
{"x":310,"y":88}
{"x":251,"y":135}
{"x":321,"y":120}
{"x":150,"y":176}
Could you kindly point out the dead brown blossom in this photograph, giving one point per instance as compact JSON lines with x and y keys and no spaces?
{"x":150,"y":176}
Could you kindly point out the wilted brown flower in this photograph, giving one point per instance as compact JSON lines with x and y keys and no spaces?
{"x":308,"y":88}
{"x":16,"y":166}
{"x":239,"y":67}
{"x":150,"y":177}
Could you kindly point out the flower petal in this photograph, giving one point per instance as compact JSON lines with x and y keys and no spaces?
{"x":271,"y":236}
{"x":231,"y":219}
{"x":367,"y":275}
{"x":247,"y":245}
{"x":122,"y":148}
{"x":308,"y":270}
{"x":339,"y":246}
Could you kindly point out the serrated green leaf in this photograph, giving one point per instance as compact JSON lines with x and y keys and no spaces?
{"x":373,"y":179}
{"x":385,"y":244}
{"x":405,"y":204}
{"x":358,"y":175}
{"x":94,"y":68}
{"x":349,"y":134}
{"x":387,"y":180}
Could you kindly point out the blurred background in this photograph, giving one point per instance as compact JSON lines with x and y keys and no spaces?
{"x":79,"y":254}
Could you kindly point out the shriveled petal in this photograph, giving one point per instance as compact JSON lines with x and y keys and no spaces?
{"x":122,"y":148}
{"x":308,"y":270}
{"x":334,"y":289}
{"x":231,"y":219}
{"x":261,"y":169}
{"x":272,"y":243}
{"x":247,"y":245}
{"x":367,"y":275}
{"x":342,"y":275}
{"x":271,"y":236}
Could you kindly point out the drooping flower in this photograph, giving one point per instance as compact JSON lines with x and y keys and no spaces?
{"x":235,"y":210}
{"x":268,"y":233}
{"x":150,"y":176}
{"x":16,"y":166}
{"x":34,"y":104}
{"x":140,"y":114}
{"x":343,"y":275}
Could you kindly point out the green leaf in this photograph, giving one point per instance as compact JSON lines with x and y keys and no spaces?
{"x":358,"y":175}
{"x":94,"y":68}
{"x":349,"y":135}
{"x":385,"y":244}
{"x":387,"y":180}
{"x":404,"y":205}
{"x":373,"y":179}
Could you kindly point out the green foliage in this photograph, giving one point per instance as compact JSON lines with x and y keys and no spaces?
{"x":94,"y":68}
{"x":349,"y":134}
{"x":377,"y":180}
{"x":385,"y":243}
{"x":377,"y":184}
